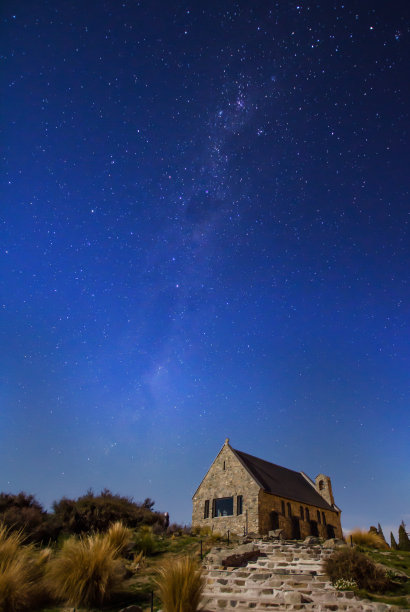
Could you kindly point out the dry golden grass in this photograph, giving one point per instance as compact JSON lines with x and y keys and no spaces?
{"x":180,"y":584}
{"x":21,"y":571}
{"x":368,"y":538}
{"x":86,"y":572}
{"x":118,"y":537}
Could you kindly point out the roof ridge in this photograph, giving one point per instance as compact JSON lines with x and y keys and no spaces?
{"x":270,"y":462}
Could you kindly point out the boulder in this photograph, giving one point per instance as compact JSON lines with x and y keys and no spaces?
{"x":311,"y":541}
{"x":277,"y":534}
{"x":292,"y":597}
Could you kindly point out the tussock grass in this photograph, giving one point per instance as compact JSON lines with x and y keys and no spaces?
{"x":87,"y":571}
{"x":118,"y":537}
{"x":21,"y":572}
{"x":370,"y":539}
{"x":180,"y":584}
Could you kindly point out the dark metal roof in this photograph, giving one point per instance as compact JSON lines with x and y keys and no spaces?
{"x":281,"y":481}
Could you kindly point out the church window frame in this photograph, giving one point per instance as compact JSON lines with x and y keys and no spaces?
{"x":239,"y":505}
{"x":206,"y":509}
{"x":222,"y":506}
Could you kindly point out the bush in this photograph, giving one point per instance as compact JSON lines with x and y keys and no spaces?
{"x":370,"y":539}
{"x":345,"y":585}
{"x":23,"y":512}
{"x":349,"y":564}
{"x":145,"y":540}
{"x":21,"y":572}
{"x":97,"y":512}
{"x":87,"y":570}
{"x":180,"y":584}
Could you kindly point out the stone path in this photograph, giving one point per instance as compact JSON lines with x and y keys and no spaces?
{"x":288,"y":576}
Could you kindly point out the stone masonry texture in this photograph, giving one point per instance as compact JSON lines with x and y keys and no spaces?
{"x":227,"y":477}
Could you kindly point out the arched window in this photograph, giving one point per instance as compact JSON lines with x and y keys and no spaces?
{"x":307,"y":514}
{"x":289,"y":510}
{"x":318,"y":517}
{"x":321,"y":485}
{"x":283,"y":508}
{"x":323,"y":518}
{"x":302,"y":513}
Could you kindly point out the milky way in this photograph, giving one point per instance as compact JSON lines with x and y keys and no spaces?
{"x":204,"y":233}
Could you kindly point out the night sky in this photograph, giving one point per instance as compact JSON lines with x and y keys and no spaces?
{"x":204,"y":226}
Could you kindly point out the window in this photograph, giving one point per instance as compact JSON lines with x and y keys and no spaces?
{"x":307,"y":514}
{"x":321,"y":485}
{"x":323,"y":518}
{"x":289,"y":510}
{"x":239,"y":504}
{"x":283,"y":508}
{"x":206,"y":508}
{"x":223,"y":506}
{"x":224,"y":465}
{"x":318,"y":517}
{"x":302,"y":514}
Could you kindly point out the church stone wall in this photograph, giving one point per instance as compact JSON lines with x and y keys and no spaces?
{"x":271,"y":503}
{"x":227,"y":478}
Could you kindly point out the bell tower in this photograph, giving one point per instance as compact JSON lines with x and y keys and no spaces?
{"x":324,"y":488}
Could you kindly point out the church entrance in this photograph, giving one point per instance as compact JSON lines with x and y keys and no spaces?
{"x":274,"y":520}
{"x":330,"y":531}
{"x":314,"y":531}
{"x":295,"y":528}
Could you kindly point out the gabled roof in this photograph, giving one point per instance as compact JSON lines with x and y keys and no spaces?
{"x":282,"y":481}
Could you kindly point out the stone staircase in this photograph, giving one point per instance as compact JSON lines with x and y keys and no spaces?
{"x":287,"y":576}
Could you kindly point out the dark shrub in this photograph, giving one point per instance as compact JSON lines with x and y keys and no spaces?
{"x":24,"y":512}
{"x":350,"y":564}
{"x":96,"y":512}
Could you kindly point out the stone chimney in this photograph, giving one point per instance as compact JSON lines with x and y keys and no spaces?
{"x":324,"y":488}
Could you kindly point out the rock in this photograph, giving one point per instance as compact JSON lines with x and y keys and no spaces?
{"x":240,"y":559}
{"x":292,"y":597}
{"x":311,"y":541}
{"x":132,"y":609}
{"x":276,"y":534}
{"x":333,"y":543}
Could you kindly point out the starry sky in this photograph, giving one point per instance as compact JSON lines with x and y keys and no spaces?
{"x":204,"y":233}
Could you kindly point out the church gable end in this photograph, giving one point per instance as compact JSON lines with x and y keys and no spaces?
{"x":227,"y":497}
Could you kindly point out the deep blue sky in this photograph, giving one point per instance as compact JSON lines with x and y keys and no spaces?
{"x":205,"y":233}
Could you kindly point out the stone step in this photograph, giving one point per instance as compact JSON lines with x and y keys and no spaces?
{"x":287,"y":576}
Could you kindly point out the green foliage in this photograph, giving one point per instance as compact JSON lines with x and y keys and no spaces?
{"x":393,"y":542}
{"x":349,"y":564}
{"x":96,"y":512}
{"x":404,"y":541}
{"x":87,"y":570}
{"x":145,"y":540}
{"x":180,"y":584}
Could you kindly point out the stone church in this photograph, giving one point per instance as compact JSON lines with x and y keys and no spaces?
{"x":249,"y":495}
